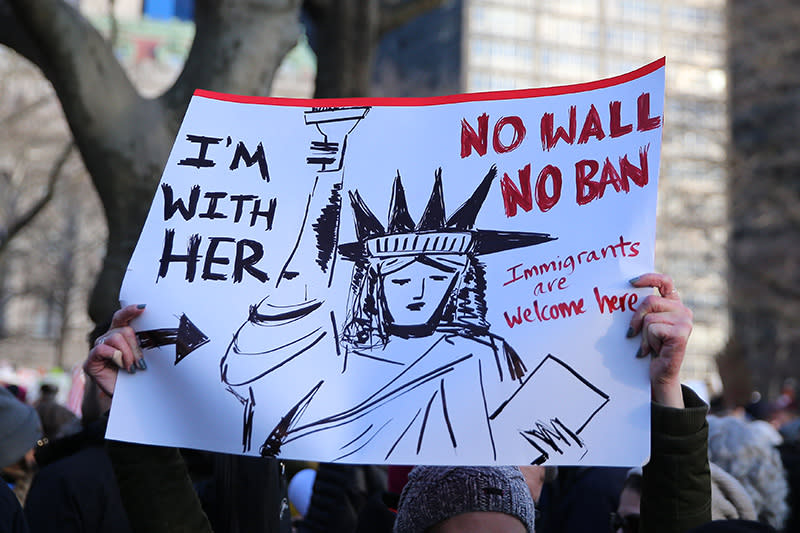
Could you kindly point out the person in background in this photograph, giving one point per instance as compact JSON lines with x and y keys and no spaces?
{"x":53,"y":415}
{"x":75,"y":490}
{"x":729,"y":501}
{"x":20,"y":430}
{"x":580,"y":499}
{"x":19,"y":391}
{"x":626,"y":518}
{"x":442,"y":499}
{"x":748,"y":451}
{"x":12,"y":520}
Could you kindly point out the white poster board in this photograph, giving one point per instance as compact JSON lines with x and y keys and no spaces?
{"x":401,"y":281}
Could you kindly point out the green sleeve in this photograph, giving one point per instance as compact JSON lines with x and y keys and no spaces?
{"x":676,"y":486}
{"x":156,"y":489}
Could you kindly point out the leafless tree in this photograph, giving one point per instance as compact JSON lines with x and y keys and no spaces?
{"x":44,"y":258}
{"x":124,"y":138}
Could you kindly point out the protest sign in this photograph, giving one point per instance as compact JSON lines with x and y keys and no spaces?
{"x":403,"y":281}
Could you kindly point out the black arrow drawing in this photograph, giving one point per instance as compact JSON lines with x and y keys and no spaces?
{"x":186,"y":338}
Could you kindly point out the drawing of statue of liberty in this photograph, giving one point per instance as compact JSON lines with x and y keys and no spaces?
{"x":415,"y":336}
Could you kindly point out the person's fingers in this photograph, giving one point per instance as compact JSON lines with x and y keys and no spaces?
{"x":667,"y":329}
{"x":102,"y":366}
{"x":98,"y":369}
{"x":653,"y":335}
{"x":120,"y":340}
{"x":662,"y":282}
{"x":130,"y":337}
{"x":124,"y":316}
{"x":120,"y":322}
{"x":652,"y":304}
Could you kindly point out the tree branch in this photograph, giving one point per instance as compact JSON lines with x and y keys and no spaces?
{"x":84,"y":71}
{"x":395,"y":15}
{"x":238,"y":46}
{"x":76,"y":56}
{"x":20,"y":222}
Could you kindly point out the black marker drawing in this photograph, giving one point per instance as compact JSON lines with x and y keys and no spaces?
{"x":186,"y":338}
{"x":292,"y":301}
{"x":415,"y":325}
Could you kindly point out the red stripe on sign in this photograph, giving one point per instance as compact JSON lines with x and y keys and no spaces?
{"x":438,"y":100}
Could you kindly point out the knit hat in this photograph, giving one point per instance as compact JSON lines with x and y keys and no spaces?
{"x":19,"y":428}
{"x":436,"y":493}
{"x":729,"y":500}
{"x":747,"y":451}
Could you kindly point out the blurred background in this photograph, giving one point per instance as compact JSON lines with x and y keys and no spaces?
{"x":89,"y":88}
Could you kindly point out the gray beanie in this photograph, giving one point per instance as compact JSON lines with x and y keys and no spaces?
{"x":20,"y":428}
{"x":436,"y":493}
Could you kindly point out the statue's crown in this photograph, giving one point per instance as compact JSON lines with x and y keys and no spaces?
{"x":434,"y":233}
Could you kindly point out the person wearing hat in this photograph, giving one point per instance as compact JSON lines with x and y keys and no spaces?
{"x":20,"y":430}
{"x":444,"y":499}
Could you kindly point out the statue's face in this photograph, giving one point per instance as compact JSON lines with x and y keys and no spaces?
{"x":415,"y":292}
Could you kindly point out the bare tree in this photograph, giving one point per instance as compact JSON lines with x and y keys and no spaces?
{"x":39,"y":183}
{"x":16,"y":221}
{"x":124,"y":138}
{"x":764,"y":59}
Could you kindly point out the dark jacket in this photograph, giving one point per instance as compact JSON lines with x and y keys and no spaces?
{"x":77,"y":494}
{"x":676,"y":493}
{"x":11,"y":518}
{"x":340,"y":494}
{"x":156,"y":489}
{"x":676,"y":484}
{"x":246,"y":494}
{"x":580,"y":499}
{"x":75,"y":490}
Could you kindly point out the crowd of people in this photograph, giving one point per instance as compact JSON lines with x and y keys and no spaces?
{"x":718,"y":470}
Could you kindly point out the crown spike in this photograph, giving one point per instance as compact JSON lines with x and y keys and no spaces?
{"x":400,"y":220}
{"x":464,"y":217}
{"x":433,"y":217}
{"x":367,"y":225}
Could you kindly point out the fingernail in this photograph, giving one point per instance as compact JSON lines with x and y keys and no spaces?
{"x":634,"y":280}
{"x":639,"y":353}
{"x":141,"y":306}
{"x":631,"y":332}
{"x":141,"y":364}
{"x":132,"y":369}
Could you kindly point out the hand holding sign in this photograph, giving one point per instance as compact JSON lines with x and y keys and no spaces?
{"x":665,"y":324}
{"x":116,"y":348}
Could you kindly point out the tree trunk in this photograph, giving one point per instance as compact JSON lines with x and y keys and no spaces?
{"x":125,"y":139}
{"x":348,"y":40}
{"x":764,"y":60}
